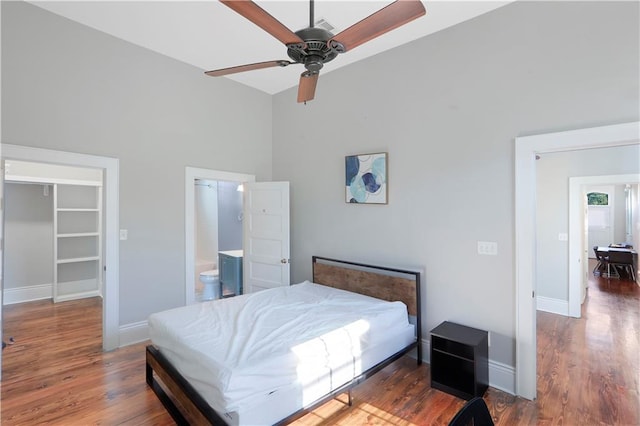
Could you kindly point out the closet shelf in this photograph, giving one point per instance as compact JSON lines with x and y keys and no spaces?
{"x":78,"y":259}
{"x":78,"y":234}
{"x":76,"y":210}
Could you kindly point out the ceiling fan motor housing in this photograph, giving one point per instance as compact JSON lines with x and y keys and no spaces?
{"x":315,"y":51}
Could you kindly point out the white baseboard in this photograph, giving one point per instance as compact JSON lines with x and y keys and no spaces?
{"x":554,"y":306}
{"x":501,"y":376}
{"x":27,"y":293}
{"x":45,"y":291}
{"x":79,"y":289}
{"x":426,"y":350}
{"x":134,"y":333}
{"x":76,"y":296}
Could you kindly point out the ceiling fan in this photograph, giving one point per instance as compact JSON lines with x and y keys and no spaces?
{"x":314,"y":46}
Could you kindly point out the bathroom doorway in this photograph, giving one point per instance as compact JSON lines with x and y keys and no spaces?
{"x":218,"y":228}
{"x":213,"y":222}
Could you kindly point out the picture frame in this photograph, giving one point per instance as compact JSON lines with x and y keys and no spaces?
{"x":366,"y":178}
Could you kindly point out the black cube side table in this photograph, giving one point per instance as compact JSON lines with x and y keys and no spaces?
{"x":459,"y":360}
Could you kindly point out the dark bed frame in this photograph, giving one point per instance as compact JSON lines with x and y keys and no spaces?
{"x":187,"y":407}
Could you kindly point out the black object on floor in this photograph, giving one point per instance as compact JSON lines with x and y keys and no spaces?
{"x":475,"y":412}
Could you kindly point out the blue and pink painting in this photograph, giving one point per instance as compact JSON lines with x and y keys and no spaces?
{"x":366,"y":178}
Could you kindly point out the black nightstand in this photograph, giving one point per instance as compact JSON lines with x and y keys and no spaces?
{"x":459,"y":360}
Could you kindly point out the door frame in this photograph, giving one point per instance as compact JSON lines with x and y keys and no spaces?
{"x":110,"y":167}
{"x":191,"y":174}
{"x":526,"y":149}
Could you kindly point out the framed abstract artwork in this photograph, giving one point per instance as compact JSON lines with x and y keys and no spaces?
{"x":366,"y":178}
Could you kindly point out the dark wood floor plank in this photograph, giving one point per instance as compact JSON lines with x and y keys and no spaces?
{"x":588,"y":373}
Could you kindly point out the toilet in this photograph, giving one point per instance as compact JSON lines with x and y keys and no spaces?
{"x":211,"y":283}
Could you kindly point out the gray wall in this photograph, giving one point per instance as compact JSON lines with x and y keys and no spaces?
{"x":447,"y":109}
{"x":206,"y":222}
{"x":71,"y":88}
{"x":28,"y":235}
{"x":552,"y":207}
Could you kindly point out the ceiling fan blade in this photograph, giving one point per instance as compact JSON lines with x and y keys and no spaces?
{"x":264,"y":20}
{"x":386,"y":19}
{"x":307,"y":86}
{"x":248,"y":67}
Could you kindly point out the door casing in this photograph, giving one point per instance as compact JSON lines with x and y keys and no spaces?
{"x":110,"y":167}
{"x":526,"y":149}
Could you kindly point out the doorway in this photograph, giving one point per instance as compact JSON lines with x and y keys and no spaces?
{"x":110,"y":170}
{"x":218,"y":229}
{"x":578,"y":247}
{"x":526,"y":149}
{"x":197,"y":176}
{"x":53,"y":232}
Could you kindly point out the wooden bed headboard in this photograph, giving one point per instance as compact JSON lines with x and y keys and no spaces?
{"x":376,"y":281}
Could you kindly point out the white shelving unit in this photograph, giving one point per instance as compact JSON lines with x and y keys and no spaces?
{"x":77,"y":248}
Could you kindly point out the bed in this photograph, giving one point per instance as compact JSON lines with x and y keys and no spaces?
{"x":270,"y":357}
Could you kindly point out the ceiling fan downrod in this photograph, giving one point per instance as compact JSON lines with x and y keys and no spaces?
{"x":311,"y":19}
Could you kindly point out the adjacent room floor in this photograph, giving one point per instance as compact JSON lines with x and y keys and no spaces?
{"x":56,"y":373}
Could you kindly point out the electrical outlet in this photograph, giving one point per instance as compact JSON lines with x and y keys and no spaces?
{"x":488,"y":248}
{"x":563,"y":236}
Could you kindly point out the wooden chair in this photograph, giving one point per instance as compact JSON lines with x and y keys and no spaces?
{"x":474,"y":413}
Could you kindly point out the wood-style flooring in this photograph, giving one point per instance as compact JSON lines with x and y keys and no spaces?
{"x":56,"y":373}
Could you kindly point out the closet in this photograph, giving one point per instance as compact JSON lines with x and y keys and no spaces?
{"x":76,"y":221}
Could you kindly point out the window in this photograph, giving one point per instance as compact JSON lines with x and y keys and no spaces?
{"x":597,"y":199}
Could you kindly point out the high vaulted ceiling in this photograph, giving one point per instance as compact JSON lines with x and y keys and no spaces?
{"x":209,"y":35}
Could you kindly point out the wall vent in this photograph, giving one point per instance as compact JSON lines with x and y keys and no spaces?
{"x":322,"y":23}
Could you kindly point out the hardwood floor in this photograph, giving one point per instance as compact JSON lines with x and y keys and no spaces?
{"x":56,"y":373}
{"x":589,"y":368}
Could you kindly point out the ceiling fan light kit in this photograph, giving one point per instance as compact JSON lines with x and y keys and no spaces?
{"x":315,"y":46}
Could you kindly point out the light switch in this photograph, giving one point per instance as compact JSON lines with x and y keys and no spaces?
{"x":489,"y":248}
{"x":124,"y":234}
{"x":563,"y":236}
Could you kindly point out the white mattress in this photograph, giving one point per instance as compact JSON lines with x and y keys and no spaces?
{"x":302,"y":341}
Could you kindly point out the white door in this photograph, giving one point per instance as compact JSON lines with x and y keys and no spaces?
{"x":600,"y":219}
{"x":1,"y":250}
{"x":266,"y":235}
{"x":600,"y":229}
{"x":586,"y":250}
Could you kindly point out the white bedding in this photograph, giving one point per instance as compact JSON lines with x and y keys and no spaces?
{"x":303,"y":341}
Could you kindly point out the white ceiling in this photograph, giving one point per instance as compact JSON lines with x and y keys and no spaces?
{"x":209,"y":35}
